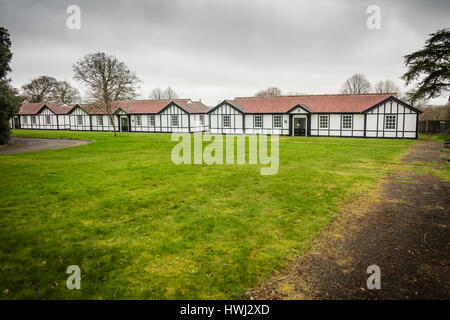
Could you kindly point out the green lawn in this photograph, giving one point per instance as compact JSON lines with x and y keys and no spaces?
{"x":142,"y":227}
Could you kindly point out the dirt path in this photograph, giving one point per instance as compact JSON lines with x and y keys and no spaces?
{"x":19,"y":145}
{"x":405,"y":231}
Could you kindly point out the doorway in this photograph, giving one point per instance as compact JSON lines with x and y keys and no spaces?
{"x":16,"y":123}
{"x":124,"y":126}
{"x":299,"y":127}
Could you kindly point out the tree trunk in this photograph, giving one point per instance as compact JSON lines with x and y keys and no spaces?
{"x":111,"y":118}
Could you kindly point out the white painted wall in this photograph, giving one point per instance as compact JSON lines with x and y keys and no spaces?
{"x":76,"y":114}
{"x":335,"y":125}
{"x":405,"y":121}
{"x":45,"y":120}
{"x":217,"y":116}
{"x":267,"y":125}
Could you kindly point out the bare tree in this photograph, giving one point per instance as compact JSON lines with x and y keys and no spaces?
{"x":435,"y":113}
{"x":269,"y":92}
{"x":107,"y":80}
{"x":387,"y":86}
{"x":40,"y":89}
{"x":158,"y":94}
{"x":356,"y":84}
{"x":65,"y":93}
{"x":170,"y":93}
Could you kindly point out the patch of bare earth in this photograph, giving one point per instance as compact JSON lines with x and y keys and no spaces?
{"x":20,"y":145}
{"x":403,"y":227}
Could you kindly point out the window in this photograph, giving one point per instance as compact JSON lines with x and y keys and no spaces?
{"x":390,"y":122}
{"x":33,"y":119}
{"x":110,"y":121}
{"x":47,"y":119}
{"x":25,"y":120}
{"x":258,"y":121}
{"x":174,"y":120}
{"x":277,"y":122}
{"x":202,"y":120}
{"x":139,"y":120}
{"x":346,"y":121}
{"x":226,"y":121}
{"x":323,"y":122}
{"x":152,"y":121}
{"x":100,"y":120}
{"x":80,"y":120}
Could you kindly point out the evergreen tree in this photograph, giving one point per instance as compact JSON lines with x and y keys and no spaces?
{"x":9,"y":98}
{"x":430,"y":67}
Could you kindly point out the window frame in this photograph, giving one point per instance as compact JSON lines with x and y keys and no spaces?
{"x":33,"y":119}
{"x":228,"y":117}
{"x":392,"y":123}
{"x":324,"y":116}
{"x":349,"y":122}
{"x":79,"y":119}
{"x":259,"y":116}
{"x":48,"y":119}
{"x":139,"y":120}
{"x":202,"y":119}
{"x":172,"y":117}
{"x":151,"y":120}
{"x":100,"y":120}
{"x":25,"y":120}
{"x":275,"y":117}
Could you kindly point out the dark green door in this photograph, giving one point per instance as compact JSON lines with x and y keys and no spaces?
{"x":124,"y":124}
{"x":299,"y":126}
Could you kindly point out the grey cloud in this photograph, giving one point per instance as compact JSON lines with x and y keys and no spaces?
{"x":221,"y":49}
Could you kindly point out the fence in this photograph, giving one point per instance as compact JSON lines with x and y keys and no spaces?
{"x":432,"y":126}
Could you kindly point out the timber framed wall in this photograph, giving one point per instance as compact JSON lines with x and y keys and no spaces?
{"x":353,"y":126}
{"x":405,"y":119}
{"x":226,"y":119}
{"x":390,"y":118}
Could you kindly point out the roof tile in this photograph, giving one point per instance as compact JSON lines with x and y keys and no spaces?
{"x":316,"y":103}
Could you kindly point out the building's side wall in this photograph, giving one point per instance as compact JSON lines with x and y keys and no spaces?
{"x":45,"y":120}
{"x":26,"y":121}
{"x":335,"y":128}
{"x":63,"y":122}
{"x":216,"y":119}
{"x":147,"y":124}
{"x":167,"y":124}
{"x":101,"y":122}
{"x":79,"y":120}
{"x":405,"y":121}
{"x":199,"y":122}
{"x":268,"y":125}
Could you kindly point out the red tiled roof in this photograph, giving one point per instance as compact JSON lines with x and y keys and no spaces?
{"x":193,"y":106}
{"x":314,"y":103}
{"x":147,"y":106}
{"x":144,"y":106}
{"x":30,"y":108}
{"x":59,"y":109}
{"x":33,"y":108}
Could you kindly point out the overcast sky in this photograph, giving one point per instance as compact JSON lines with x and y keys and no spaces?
{"x":217,"y":49}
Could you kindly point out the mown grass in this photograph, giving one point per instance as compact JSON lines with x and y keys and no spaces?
{"x":142,"y":227}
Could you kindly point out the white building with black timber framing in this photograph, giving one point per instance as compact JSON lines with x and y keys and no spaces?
{"x":340,"y":115}
{"x":179,"y":115}
{"x":366,"y":115}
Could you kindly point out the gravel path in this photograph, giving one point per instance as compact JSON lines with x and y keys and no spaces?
{"x":402,"y":227}
{"x":19,"y":145}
